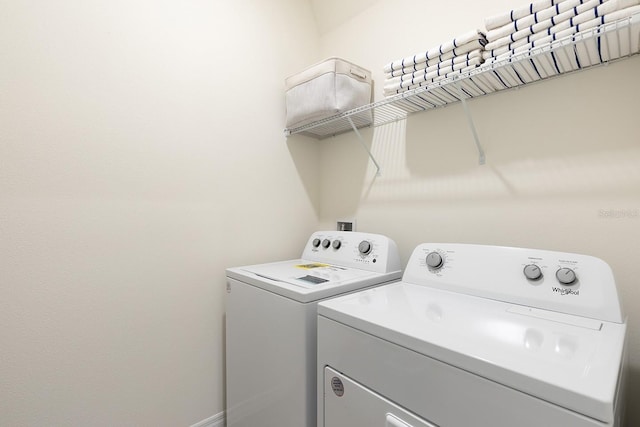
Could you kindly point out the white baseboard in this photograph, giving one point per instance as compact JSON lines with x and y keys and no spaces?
{"x":216,"y":420}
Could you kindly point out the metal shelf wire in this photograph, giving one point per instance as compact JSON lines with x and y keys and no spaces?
{"x":586,"y":49}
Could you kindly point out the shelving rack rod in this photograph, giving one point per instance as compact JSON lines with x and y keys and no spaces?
{"x":481,"y":157}
{"x":364,"y":145}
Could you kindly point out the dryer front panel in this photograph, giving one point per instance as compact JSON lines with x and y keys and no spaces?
{"x":350,"y":404}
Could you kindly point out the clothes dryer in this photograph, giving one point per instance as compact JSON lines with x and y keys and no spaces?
{"x":271,"y":317}
{"x":479,"y":336}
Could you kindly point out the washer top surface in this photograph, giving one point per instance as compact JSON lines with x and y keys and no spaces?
{"x":482,"y":325}
{"x":333,"y":263}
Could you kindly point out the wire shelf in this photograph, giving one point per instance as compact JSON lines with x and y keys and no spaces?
{"x":583,"y":50}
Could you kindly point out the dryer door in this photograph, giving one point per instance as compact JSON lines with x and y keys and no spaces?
{"x":349,"y":404}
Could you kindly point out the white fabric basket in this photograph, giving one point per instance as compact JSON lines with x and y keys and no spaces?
{"x":330,"y":87}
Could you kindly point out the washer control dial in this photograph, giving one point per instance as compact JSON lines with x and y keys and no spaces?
{"x":566,"y":276}
{"x":336,"y":244}
{"x":532,"y":272}
{"x":316,"y":242}
{"x":326,"y":243}
{"x":364,"y":247}
{"x":434,"y":260}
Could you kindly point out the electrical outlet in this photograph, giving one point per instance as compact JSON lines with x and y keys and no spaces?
{"x":346,"y":225}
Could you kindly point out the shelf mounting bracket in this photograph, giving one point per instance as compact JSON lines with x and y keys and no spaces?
{"x":364,"y":145}
{"x":472,"y":126}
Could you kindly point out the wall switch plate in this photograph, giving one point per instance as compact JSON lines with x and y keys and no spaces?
{"x":346,"y":225}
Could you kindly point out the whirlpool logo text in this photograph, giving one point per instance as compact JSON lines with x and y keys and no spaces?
{"x":562,"y":291}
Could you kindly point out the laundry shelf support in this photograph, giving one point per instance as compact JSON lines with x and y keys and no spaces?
{"x":472,"y":126}
{"x":364,"y":145}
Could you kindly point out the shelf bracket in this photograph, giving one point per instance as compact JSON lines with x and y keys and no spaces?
{"x":472,"y":126}
{"x":364,"y":145}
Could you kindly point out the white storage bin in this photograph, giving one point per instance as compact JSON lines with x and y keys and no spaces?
{"x":330,"y":87}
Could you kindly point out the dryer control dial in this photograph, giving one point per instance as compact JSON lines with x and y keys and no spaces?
{"x":532,"y":272}
{"x":336,"y":244}
{"x":434,"y":260}
{"x":364,"y":247}
{"x":566,"y":276}
{"x":326,"y":243}
{"x":316,"y":242}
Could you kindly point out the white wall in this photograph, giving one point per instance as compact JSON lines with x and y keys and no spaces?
{"x":141,"y":153}
{"x":563,"y":159}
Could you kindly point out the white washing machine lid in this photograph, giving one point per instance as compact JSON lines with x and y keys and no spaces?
{"x":571,"y":361}
{"x":306,"y":281}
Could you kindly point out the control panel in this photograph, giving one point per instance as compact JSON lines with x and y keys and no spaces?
{"x":564,"y":282}
{"x":366,"y":251}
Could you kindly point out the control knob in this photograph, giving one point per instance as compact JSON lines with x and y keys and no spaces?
{"x":316,"y":242}
{"x":566,"y":276}
{"x":532,"y":272}
{"x":364,"y":247}
{"x":326,"y":243}
{"x":336,"y":244}
{"x":434,"y":260}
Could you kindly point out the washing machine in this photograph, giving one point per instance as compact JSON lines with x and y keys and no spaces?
{"x":480,"y":336}
{"x":271,"y":317}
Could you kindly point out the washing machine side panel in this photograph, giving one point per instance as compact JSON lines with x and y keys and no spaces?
{"x":270,"y":348}
{"x":431,"y":389}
